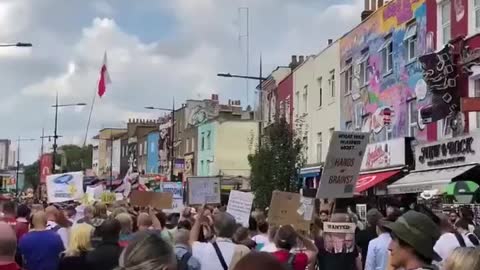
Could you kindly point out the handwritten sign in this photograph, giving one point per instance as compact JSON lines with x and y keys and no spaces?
{"x":65,"y":187}
{"x":203,"y":190}
{"x":284,"y":210}
{"x":176,"y":188}
{"x":240,"y":205}
{"x":344,"y":159}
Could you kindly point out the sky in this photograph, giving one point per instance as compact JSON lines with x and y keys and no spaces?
{"x":157,"y":50}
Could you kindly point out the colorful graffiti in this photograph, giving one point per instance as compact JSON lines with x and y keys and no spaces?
{"x":385,"y":94}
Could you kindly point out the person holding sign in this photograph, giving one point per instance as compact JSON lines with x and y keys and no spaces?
{"x":285,"y":241}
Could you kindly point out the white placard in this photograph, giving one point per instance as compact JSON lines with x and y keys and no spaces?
{"x":94,"y":193}
{"x":203,"y":190}
{"x":65,"y":187}
{"x":176,"y":188}
{"x":343,"y":162}
{"x":362,"y":211}
{"x":240,"y":206}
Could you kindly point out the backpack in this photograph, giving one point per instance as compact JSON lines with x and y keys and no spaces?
{"x":182,"y":263}
{"x":473,"y":238}
{"x":289,"y":263}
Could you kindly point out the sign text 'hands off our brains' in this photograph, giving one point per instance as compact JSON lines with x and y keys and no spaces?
{"x":344,"y":159}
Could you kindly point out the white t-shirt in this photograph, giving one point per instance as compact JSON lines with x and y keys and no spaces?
{"x":261,"y":240}
{"x":445,"y":245}
{"x":206,"y":255}
{"x":270,"y":248}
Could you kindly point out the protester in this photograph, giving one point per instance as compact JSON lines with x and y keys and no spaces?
{"x":52,"y":212}
{"x":242,"y":237}
{"x":147,"y":251}
{"x":471,"y":239}
{"x":466,"y":214}
{"x":87,"y":215}
{"x":259,"y":261}
{"x":222,"y":254}
{"x":105,"y":255}
{"x":413,"y":236}
{"x":184,"y":224}
{"x":9,"y":213}
{"x":377,"y":255}
{"x":22,"y":221}
{"x":270,"y":247}
{"x":99,"y":214}
{"x":75,"y":256}
{"x":70,"y":213}
{"x":126,"y":231}
{"x":324,"y":215}
{"x":463,"y":259}
{"x":261,"y":239}
{"x":449,"y":240}
{"x":286,"y":240}
{"x":63,"y":227}
{"x":183,"y":252}
{"x":8,"y":247}
{"x":364,"y":237}
{"x":40,"y":247}
{"x":453,"y":217}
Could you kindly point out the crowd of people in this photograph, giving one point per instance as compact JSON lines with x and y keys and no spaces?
{"x":118,"y":236}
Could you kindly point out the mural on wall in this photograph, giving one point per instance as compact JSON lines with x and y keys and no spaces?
{"x":164,"y":145}
{"x":132,"y":155}
{"x":199,"y":111}
{"x":378,"y":101}
{"x":189,"y":165}
{"x":152,"y":155}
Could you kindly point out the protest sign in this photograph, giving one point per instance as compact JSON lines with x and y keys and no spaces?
{"x":362,"y":211}
{"x":64,"y":187}
{"x":240,"y":205}
{"x":343,"y":162}
{"x":158,"y":200}
{"x":176,"y":188}
{"x":338,"y":237}
{"x":94,"y":192}
{"x":203,"y":190}
{"x":286,"y":209}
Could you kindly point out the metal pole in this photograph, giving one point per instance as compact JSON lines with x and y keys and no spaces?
{"x":111,"y":160}
{"x":172,"y":142}
{"x":18,"y":167}
{"x":55,"y":135}
{"x":260,"y":123}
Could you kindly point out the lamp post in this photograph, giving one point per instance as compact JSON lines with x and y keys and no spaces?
{"x":55,"y":135}
{"x":18,"y":162}
{"x":18,"y":44}
{"x":172,"y":140}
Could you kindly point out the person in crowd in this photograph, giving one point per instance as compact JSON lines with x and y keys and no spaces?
{"x":364,"y":237}
{"x":126,"y":231}
{"x":70,"y":213}
{"x":377,"y":255}
{"x":324,"y":215}
{"x":37,"y":208}
{"x":252,"y":226}
{"x":222,"y":254}
{"x":63,"y":227}
{"x":52,"y":213}
{"x":466,"y":213}
{"x":270,"y":247}
{"x":117,"y":211}
{"x":87,"y":215}
{"x":259,"y":261}
{"x":285,"y":241}
{"x":453,"y":217}
{"x":449,"y":240}
{"x":148,"y":250}
{"x":41,"y":247}
{"x":75,"y":256}
{"x":261,"y":239}
{"x":105,"y":255}
{"x":99,"y":214}
{"x":463,"y":259}
{"x":471,"y":239}
{"x":413,"y":236}
{"x":9,"y":213}
{"x":8,"y":247}
{"x":184,"y":224}
{"x":22,"y":221}
{"x":162,"y":221}
{"x":242,"y":237}
{"x":183,"y":252}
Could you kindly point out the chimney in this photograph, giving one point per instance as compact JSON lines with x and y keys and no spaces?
{"x":215,"y":97}
{"x":330,"y":41}
{"x":301,"y":59}
{"x":370,"y":6}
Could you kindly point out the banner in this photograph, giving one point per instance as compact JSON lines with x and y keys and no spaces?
{"x":64,"y":187}
{"x":240,"y":206}
{"x":176,"y":188}
{"x":203,"y":190}
{"x":45,"y":167}
{"x":343,"y":162}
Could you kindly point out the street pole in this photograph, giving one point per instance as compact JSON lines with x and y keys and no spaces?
{"x":260,"y":123}
{"x":111,"y":161}
{"x":18,"y":167}
{"x":55,"y":135}
{"x":172,"y":142}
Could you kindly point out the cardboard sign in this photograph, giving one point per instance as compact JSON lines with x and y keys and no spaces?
{"x":344,"y":159}
{"x":284,"y":210}
{"x":240,"y":206}
{"x":203,"y":190}
{"x":176,"y":188}
{"x":158,"y":200}
{"x":65,"y":187}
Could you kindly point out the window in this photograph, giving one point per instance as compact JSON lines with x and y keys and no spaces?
{"x":445,"y":8}
{"x":305,"y":144}
{"x":477,"y":94}
{"x":145,"y":148}
{"x":476,"y":9}
{"x":297,"y":102}
{"x":387,"y":55}
{"x":202,"y":167}
{"x":364,"y":69}
{"x":349,"y":126}
{"x":209,"y":143}
{"x":282,"y":108}
{"x":207,"y":169}
{"x":410,"y":40}
{"x":305,"y":99}
{"x":141,"y":149}
{"x":331,"y":83}
{"x":412,"y":117}
{"x":320,"y":94}
{"x":203,"y":141}
{"x":187,"y":145}
{"x":319,"y":147}
{"x":192,"y":145}
{"x":348,"y":76}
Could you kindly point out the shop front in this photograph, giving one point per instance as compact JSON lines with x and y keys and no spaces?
{"x":383,"y":163}
{"x":439,"y":163}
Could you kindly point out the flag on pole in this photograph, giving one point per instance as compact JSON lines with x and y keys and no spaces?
{"x":104,"y":77}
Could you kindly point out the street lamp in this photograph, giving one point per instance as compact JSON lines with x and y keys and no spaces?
{"x":172,"y":139}
{"x":18,"y":44}
{"x":55,"y":135}
{"x":18,"y":161}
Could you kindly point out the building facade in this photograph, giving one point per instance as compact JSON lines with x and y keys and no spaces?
{"x":152,"y":152}
{"x":4,"y":154}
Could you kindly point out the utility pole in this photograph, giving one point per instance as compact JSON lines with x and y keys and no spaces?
{"x":172,"y":143}
{"x":55,"y":135}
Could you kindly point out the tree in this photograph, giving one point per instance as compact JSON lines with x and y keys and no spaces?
{"x":275,"y":163}
{"x":32,"y":175}
{"x":74,"y":158}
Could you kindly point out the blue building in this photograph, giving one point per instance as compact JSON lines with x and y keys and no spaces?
{"x":152,"y":152}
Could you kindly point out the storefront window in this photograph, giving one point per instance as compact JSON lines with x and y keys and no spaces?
{"x":412,"y":118}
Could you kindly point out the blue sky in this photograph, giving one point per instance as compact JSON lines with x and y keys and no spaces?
{"x":156,"y":49}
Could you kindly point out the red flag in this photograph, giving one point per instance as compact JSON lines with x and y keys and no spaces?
{"x":104,"y":77}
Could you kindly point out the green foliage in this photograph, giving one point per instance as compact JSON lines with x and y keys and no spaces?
{"x":74,"y":157}
{"x":32,"y":175}
{"x":275,"y":164}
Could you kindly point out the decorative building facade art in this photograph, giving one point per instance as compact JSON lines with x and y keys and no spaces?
{"x":152,"y":152}
{"x":382,"y":85}
{"x":164,"y":145}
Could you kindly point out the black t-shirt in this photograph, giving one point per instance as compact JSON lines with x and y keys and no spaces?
{"x":363,"y":238}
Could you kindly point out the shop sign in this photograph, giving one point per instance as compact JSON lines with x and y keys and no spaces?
{"x":384,"y":154}
{"x":447,"y":153}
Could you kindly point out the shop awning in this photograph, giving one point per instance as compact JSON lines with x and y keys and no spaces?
{"x":416,"y":182}
{"x":366,"y":181}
